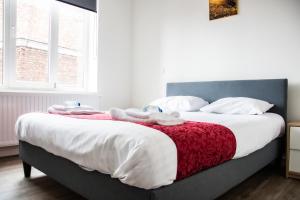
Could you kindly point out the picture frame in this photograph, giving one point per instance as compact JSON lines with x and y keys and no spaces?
{"x":222,"y":8}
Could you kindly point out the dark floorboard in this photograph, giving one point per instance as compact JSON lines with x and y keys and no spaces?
{"x":268,"y":184}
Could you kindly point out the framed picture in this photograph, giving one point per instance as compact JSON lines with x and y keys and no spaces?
{"x":222,"y":8}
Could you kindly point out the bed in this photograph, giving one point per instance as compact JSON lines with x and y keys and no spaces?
{"x":207,"y":184}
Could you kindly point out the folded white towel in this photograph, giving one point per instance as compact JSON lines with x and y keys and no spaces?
{"x":166,"y":119}
{"x":79,"y":110}
{"x":71,"y":108}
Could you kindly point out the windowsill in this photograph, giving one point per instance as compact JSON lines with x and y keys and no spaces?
{"x":41,"y":91}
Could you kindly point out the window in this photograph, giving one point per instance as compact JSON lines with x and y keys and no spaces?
{"x":32,"y":39}
{"x":71,"y":44}
{"x":53,"y":48}
{"x":1,"y":41}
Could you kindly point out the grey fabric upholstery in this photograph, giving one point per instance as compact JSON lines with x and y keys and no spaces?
{"x":205,"y":185}
{"x":89,"y":184}
{"x":272,"y":90}
{"x":214,"y":182}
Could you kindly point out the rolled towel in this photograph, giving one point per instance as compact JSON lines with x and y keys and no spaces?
{"x":166,"y":119}
{"x":137,"y":113}
{"x":119,"y":114}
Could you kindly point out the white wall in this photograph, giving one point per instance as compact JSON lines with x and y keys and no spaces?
{"x":115,"y":53}
{"x":173,"y":41}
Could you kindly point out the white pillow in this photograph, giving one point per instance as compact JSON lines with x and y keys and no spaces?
{"x":180,"y":103}
{"x":238,"y":105}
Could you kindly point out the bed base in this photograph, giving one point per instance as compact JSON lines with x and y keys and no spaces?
{"x":208,"y":184}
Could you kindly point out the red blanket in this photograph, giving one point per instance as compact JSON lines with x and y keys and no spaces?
{"x":199,"y":145}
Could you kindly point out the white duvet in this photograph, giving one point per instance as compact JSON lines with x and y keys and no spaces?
{"x":135,"y":154}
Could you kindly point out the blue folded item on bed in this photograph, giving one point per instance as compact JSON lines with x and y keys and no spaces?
{"x":152,"y":109}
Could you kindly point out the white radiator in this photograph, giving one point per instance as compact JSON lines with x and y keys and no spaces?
{"x":13,"y":105}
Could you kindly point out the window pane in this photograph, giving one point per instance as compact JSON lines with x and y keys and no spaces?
{"x":1,"y":42}
{"x":73,"y":36}
{"x":32,"y":40}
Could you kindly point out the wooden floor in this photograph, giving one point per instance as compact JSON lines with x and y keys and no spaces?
{"x":269,"y":184}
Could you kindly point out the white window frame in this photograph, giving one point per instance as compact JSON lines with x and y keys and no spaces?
{"x":9,"y":52}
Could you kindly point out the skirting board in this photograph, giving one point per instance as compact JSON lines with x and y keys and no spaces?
{"x":9,"y":151}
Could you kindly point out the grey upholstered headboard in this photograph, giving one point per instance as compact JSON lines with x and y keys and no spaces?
{"x":271,"y":90}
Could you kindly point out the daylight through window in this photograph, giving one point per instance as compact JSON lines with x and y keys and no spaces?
{"x":53,"y":47}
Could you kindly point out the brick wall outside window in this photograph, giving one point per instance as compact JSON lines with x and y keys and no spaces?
{"x":33,"y":66}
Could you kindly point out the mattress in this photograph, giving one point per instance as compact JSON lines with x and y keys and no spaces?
{"x":137,"y":155}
